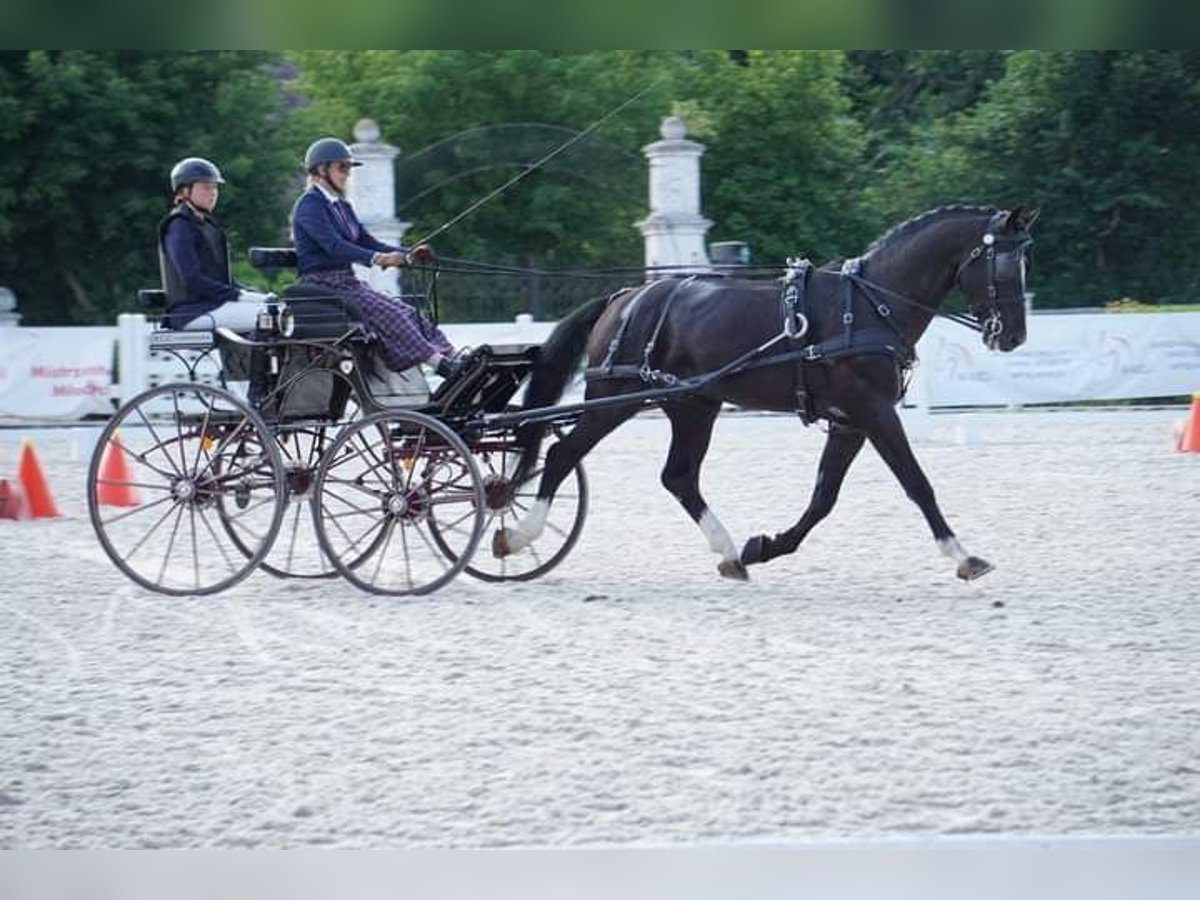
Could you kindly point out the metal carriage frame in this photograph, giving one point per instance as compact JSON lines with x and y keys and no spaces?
{"x":327,"y":470}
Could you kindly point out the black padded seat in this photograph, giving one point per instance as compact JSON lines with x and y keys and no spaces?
{"x":316,"y":311}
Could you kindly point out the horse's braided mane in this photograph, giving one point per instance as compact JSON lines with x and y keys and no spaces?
{"x":925,"y":218}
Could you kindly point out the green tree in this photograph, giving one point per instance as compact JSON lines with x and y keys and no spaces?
{"x":898,"y":93}
{"x":467,"y":121}
{"x":1105,"y":143}
{"x":86,"y":142}
{"x":783,"y":169}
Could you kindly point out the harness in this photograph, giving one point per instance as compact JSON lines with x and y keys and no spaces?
{"x":609,"y":369}
{"x":878,"y":336}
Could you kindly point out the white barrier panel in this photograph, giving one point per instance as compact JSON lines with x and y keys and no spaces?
{"x":1088,"y":356}
{"x":66,"y":373}
{"x":56,"y":373}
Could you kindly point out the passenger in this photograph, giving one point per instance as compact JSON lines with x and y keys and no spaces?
{"x":329,"y":238}
{"x":193,"y":255}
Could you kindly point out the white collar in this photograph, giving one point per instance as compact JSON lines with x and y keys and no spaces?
{"x":329,"y":195}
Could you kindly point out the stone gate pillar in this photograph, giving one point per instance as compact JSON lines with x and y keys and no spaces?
{"x":674,"y":231}
{"x":372,"y":191}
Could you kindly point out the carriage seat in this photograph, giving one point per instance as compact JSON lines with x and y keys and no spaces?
{"x":273,"y":257}
{"x":317,"y":313}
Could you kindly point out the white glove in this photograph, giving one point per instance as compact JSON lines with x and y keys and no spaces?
{"x":259,"y":297}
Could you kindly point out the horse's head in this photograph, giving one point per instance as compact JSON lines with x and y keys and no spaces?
{"x":992,"y":276}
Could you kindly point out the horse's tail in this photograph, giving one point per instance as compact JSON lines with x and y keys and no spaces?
{"x":552,"y":370}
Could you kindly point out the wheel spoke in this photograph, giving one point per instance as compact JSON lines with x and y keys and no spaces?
{"x":381,"y":553}
{"x":158,"y":444}
{"x":162,"y":572}
{"x":145,"y":507}
{"x":217,"y":541}
{"x":153,"y":528}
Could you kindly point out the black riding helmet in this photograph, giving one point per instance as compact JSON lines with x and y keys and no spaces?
{"x":328,"y":150}
{"x":193,"y":169}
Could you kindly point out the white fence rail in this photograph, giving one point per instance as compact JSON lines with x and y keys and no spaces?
{"x":70,"y":373}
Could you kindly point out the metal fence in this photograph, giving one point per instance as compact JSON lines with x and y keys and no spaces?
{"x":464,"y":295}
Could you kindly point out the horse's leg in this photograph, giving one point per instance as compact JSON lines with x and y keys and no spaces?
{"x":691,"y":431}
{"x":891,"y":442}
{"x":841,"y":447}
{"x":561,"y":458}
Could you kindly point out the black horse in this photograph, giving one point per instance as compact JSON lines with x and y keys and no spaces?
{"x":834,"y":344}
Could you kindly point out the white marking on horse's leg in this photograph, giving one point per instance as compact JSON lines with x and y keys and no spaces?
{"x":952,"y":548}
{"x":529,"y":528}
{"x":718,"y":538}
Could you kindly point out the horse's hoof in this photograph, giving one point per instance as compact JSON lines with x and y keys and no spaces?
{"x":733,"y":568}
{"x":500,"y":547}
{"x":973,"y":567}
{"x":755,"y":550}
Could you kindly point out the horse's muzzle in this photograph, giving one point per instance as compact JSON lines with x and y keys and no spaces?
{"x":1005,"y":342}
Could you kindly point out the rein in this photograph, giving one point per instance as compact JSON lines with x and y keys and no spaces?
{"x":868,"y":287}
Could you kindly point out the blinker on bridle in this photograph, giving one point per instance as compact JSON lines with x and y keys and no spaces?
{"x":1007,"y":260}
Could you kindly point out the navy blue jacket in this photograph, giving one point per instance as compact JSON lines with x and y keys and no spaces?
{"x":194,"y":262}
{"x":325,"y":243}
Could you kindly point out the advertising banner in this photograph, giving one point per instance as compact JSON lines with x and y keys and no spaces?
{"x":56,"y":373}
{"x":1085,"y":356}
{"x":66,"y":373}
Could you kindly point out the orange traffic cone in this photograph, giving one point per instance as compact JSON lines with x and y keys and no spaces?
{"x":12,"y":501}
{"x":1191,"y":432}
{"x":112,"y":485}
{"x":33,"y":483}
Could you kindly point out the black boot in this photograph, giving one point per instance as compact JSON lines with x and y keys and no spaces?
{"x":449,"y":367}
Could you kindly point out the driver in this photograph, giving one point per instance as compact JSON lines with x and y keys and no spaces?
{"x":329,"y":237}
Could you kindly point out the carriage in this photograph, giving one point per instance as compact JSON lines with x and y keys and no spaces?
{"x":335,"y":466}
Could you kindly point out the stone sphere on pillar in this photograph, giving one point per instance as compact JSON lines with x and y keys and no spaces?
{"x":366,"y":131}
{"x":673,"y":128}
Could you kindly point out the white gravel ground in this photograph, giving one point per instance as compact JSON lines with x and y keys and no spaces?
{"x":853,"y":690}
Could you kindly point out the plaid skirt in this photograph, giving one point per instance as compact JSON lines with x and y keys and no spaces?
{"x":405,"y":336}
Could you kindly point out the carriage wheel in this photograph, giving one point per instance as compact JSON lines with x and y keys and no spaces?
{"x":564,"y":522}
{"x":296,"y":552}
{"x":176,"y":473}
{"x":383,"y":484}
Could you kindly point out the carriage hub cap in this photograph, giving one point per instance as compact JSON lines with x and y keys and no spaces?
{"x":395,"y":505}
{"x":184,"y":489}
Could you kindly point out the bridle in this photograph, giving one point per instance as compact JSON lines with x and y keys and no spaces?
{"x":1003,"y":256}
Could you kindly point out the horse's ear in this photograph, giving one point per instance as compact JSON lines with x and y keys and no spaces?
{"x":1021,"y":218}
